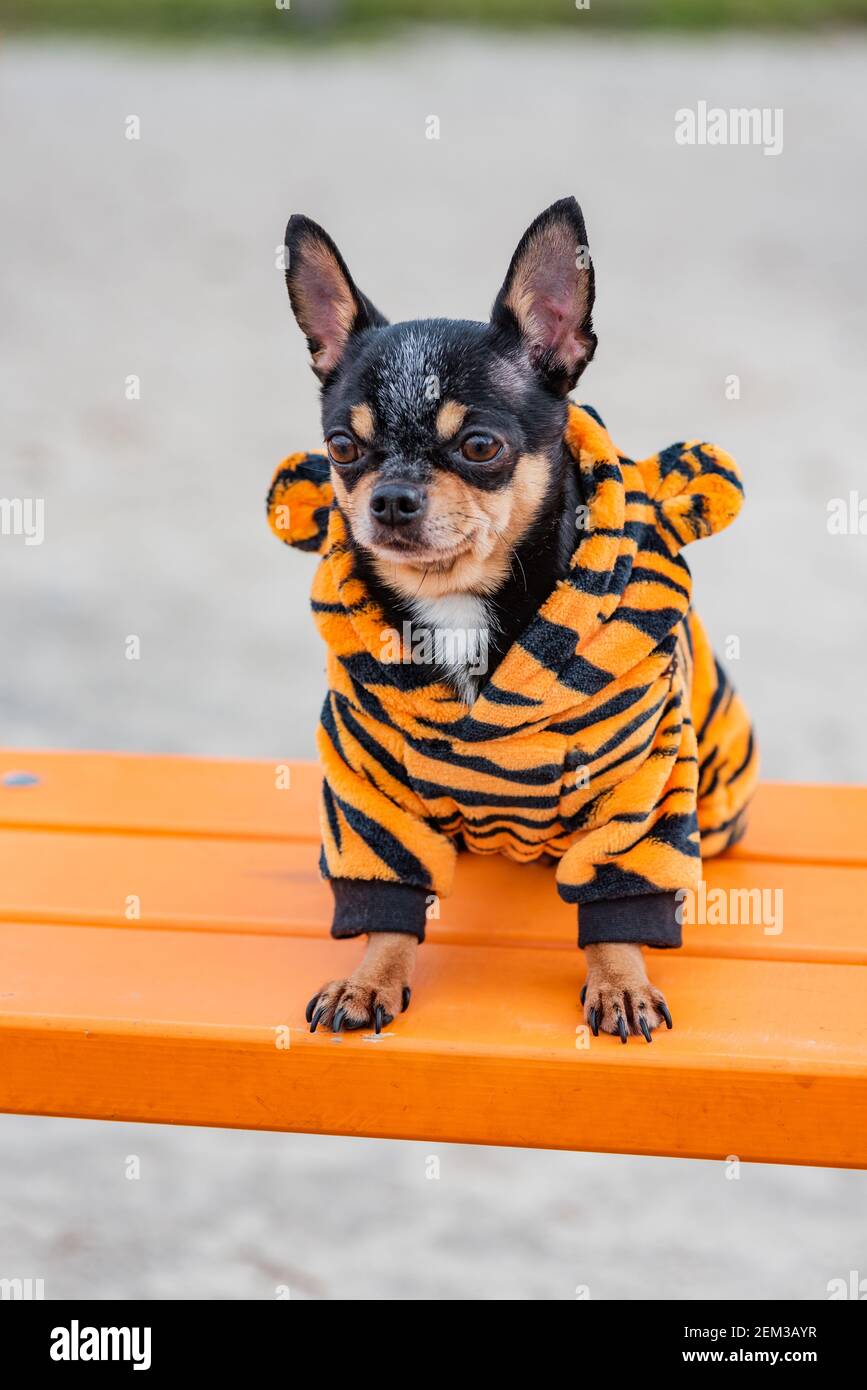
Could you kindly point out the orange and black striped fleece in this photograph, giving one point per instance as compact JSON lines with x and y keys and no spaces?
{"x":609,"y":736}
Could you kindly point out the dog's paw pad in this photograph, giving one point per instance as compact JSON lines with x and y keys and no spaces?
{"x":347,"y":1005}
{"x":637,"y":1010}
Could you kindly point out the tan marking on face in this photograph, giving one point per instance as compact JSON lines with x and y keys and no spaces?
{"x":527,"y":491}
{"x":355,"y":505}
{"x":340,"y":494}
{"x":450,"y":417}
{"x":362,"y":421}
{"x":475,"y":532}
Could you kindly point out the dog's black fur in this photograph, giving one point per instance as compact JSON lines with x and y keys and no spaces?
{"x":512,"y":374}
{"x":450,"y":469}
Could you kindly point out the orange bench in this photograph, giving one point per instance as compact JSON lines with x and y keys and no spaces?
{"x":163,"y":925}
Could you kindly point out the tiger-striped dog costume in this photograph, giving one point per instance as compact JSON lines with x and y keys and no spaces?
{"x":609,"y":737}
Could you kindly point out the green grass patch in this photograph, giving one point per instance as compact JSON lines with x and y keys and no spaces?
{"x":309,"y":18}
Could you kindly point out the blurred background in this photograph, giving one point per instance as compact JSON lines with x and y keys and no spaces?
{"x":731,"y":305}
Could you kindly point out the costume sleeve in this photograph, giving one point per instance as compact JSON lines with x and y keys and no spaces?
{"x":385,"y":860}
{"x":642,"y":843}
{"x":642,"y":839}
{"x":648,"y":919}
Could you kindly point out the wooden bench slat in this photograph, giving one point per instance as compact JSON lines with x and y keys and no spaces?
{"x":173,"y":1018}
{"x":767,"y":1060}
{"x":146,"y":794}
{"x":197,"y":796}
{"x":806,"y":824}
{"x":274,"y":887}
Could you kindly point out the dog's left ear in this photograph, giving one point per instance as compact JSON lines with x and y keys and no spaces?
{"x":547,"y":295}
{"x":326,"y":301}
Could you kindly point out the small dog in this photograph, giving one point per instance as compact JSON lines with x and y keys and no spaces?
{"x":576,"y":712}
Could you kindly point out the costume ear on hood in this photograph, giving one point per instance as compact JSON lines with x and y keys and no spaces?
{"x":299,"y":501}
{"x":696,"y":489}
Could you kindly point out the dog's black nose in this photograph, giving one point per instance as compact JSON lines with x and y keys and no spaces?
{"x":395,"y":504}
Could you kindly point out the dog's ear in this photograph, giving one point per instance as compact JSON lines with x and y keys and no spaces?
{"x":547,"y":295}
{"x":325,"y":300}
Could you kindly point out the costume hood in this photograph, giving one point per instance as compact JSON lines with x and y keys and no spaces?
{"x":608,"y":737}
{"x":627,"y":591}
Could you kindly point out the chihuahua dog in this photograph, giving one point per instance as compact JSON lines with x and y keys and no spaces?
{"x":458,"y":497}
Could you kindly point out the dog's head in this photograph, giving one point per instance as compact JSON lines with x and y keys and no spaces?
{"x":445,"y":436}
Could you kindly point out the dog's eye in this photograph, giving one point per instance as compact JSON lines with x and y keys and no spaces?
{"x":342,"y":449}
{"x":480,"y":448}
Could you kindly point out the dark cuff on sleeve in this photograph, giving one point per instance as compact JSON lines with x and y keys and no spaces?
{"x":650,"y":919}
{"x":365,"y":905}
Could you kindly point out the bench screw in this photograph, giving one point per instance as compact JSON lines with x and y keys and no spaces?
{"x":19,"y":779}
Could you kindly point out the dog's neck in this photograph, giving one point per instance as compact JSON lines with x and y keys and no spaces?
{"x":482,"y":627}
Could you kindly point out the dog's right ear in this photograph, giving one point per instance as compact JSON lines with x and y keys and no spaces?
{"x":325,"y":299}
{"x":547,"y":296}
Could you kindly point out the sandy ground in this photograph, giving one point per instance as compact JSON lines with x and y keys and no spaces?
{"x":156,"y":257}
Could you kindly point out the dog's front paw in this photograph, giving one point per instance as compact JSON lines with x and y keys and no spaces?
{"x":354,"y":1004}
{"x":618,"y":998}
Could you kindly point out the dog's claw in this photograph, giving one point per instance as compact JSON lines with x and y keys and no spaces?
{"x":642,"y":1023}
{"x":622,"y":1029}
{"x":663,"y":1009}
{"x":315,"y":1019}
{"x":337,"y":1023}
{"x":377,"y":1019}
{"x":594,"y":1023}
{"x":308,"y":1012}
{"x":583,"y":993}
{"x":407,"y":995}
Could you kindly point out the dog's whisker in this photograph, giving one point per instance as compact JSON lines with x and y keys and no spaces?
{"x":421,"y":581}
{"x":510,"y":548}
